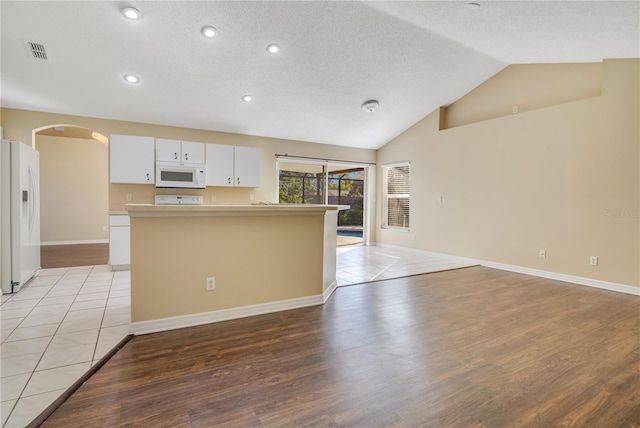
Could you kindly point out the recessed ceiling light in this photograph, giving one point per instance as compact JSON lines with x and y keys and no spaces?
{"x":209,"y":31}
{"x":131,"y":12}
{"x":273,"y":48}
{"x":473,"y":5}
{"x":247,"y":98}
{"x":369,"y":106}
{"x":131,"y":78}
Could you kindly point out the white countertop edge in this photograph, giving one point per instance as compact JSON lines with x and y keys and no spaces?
{"x":149,"y":210}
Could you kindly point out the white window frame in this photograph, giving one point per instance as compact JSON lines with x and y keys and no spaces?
{"x":386,"y":197}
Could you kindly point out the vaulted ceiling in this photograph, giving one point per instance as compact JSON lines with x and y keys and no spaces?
{"x":412,"y":57}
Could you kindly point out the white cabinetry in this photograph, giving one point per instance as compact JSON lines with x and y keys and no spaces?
{"x":246,"y":167}
{"x":179,"y":151}
{"x":219,"y":165}
{"x":119,"y":242}
{"x":131,"y":159}
{"x":232,"y":166}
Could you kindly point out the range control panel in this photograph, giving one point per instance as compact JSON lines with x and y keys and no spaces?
{"x":178,"y":200}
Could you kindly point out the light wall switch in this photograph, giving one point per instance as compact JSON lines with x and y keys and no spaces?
{"x":439,"y":199}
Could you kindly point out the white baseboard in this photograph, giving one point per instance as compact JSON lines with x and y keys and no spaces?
{"x":329,"y":291}
{"x":172,"y":323}
{"x":611,"y":286}
{"x":76,"y":242}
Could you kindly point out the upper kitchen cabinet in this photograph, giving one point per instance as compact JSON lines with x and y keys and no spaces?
{"x":132,"y":159}
{"x":179,"y":151}
{"x":231,"y":166}
{"x":219,"y":165}
{"x":246,"y":167}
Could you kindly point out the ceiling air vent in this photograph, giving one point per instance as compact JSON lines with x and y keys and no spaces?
{"x":36,"y":50}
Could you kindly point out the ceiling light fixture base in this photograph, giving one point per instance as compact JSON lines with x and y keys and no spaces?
{"x":208,"y":31}
{"x":131,"y":12}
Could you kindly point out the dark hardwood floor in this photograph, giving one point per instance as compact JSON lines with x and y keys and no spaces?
{"x":473,"y":347}
{"x":55,"y":256}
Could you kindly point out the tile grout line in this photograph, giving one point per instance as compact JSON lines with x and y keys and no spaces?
{"x":104,"y":312}
{"x":49,"y":344}
{"x":47,"y":347}
{"x":40,"y":359}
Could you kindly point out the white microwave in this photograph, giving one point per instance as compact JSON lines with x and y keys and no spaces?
{"x":185,"y":175}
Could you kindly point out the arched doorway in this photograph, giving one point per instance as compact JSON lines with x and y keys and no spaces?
{"x":74,"y":177}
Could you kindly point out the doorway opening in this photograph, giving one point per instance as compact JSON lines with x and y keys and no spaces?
{"x":325,"y":182}
{"x":74,"y":171}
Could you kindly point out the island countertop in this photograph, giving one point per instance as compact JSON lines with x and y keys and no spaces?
{"x":150,"y":210}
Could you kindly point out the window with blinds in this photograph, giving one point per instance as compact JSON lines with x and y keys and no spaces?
{"x":396,"y":195}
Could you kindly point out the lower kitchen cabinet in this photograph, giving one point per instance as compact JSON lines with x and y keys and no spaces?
{"x":119,"y":242}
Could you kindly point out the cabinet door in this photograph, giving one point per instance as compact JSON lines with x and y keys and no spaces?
{"x":193,"y":152}
{"x":131,"y":159}
{"x":219,"y":165}
{"x":247,"y":167}
{"x":168,"y":150}
{"x":119,"y":240}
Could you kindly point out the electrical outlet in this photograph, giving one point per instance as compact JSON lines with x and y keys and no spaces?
{"x":515,"y":109}
{"x":593,"y":261}
{"x":542,"y":254}
{"x":213,"y":198}
{"x":251,"y":197}
{"x":413,"y":236}
{"x":128,"y":197}
{"x":211,"y":283}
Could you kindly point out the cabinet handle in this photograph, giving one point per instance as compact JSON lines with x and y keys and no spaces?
{"x":148,"y":178}
{"x":229,"y":180}
{"x":175,"y":156}
{"x":186,"y":156}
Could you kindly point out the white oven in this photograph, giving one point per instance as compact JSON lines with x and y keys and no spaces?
{"x":185,"y":175}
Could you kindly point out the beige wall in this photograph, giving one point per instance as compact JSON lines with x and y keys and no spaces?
{"x":528,"y":87}
{"x":563,"y":178}
{"x":255,"y":260}
{"x":18,"y":125}
{"x":74,"y":173}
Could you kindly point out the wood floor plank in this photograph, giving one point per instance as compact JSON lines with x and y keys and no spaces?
{"x":57,"y":256}
{"x":474,"y":347}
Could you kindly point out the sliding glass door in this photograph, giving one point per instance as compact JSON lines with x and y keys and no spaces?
{"x":318,"y":182}
{"x":301,"y":183}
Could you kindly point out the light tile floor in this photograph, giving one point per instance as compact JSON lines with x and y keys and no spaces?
{"x":357,"y":264}
{"x":66,"y":319}
{"x":53,"y":331}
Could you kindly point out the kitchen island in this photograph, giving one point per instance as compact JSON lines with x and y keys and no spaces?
{"x":262,"y":258}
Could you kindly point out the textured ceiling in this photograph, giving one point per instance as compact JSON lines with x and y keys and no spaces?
{"x":411,"y":56}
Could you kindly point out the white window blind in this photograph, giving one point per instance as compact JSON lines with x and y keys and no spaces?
{"x":396,"y":195}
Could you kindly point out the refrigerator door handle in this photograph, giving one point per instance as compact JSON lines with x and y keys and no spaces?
{"x":32,"y":201}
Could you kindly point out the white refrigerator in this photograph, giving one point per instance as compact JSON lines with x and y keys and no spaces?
{"x":20,"y":220}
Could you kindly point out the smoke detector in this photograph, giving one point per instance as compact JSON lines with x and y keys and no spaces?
{"x":370,"y":105}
